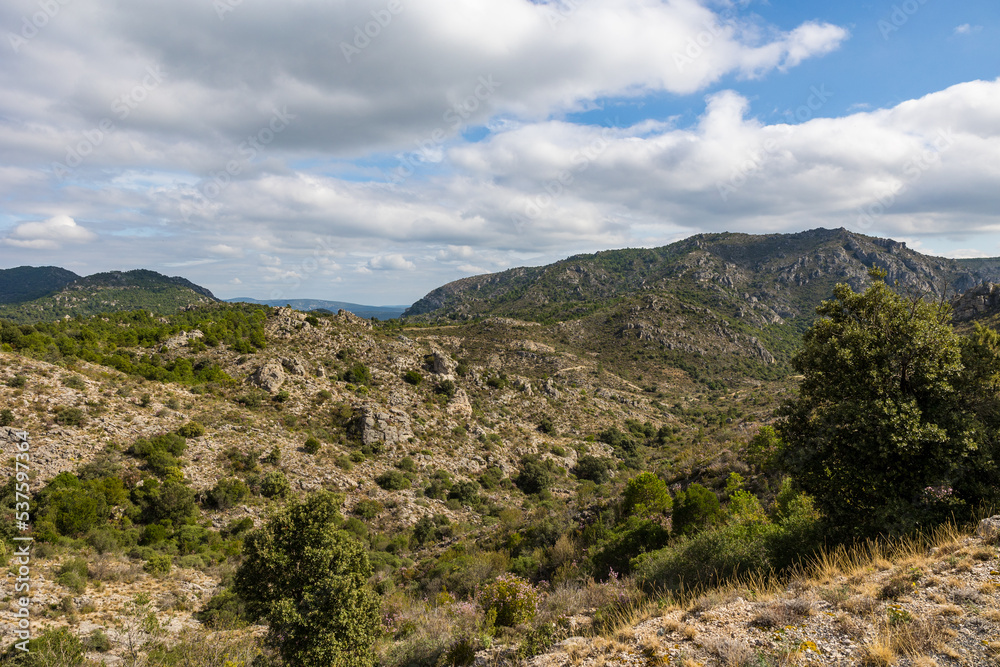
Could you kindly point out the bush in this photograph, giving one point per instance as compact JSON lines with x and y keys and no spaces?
{"x":407,"y":464}
{"x":513,"y":600}
{"x":6,"y":417}
{"x":446,"y":388}
{"x":275,"y":485}
{"x":191,"y":430}
{"x":547,"y":426}
{"x":227,"y":493}
{"x":467,"y":493}
{"x":368,"y":509}
{"x":70,"y":416}
{"x":534,"y":475}
{"x":393,"y":480}
{"x":596,"y":469}
{"x":311,"y":445}
{"x":52,"y":647}
{"x":224,"y":611}
{"x":158,"y":564}
{"x":357,"y":374}
{"x":694,"y":509}
{"x":17,"y":382}
{"x":413,"y":377}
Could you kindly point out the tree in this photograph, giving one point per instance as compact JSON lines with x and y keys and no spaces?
{"x":881,"y":414}
{"x":646,"y":494}
{"x":307,"y":580}
{"x":694,"y":509}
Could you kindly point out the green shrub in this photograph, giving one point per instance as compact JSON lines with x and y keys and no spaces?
{"x":191,"y":430}
{"x":344,"y":462}
{"x":74,"y":382}
{"x":227,"y":493}
{"x":393,"y":480}
{"x":158,"y":564}
{"x":98,"y":641}
{"x":6,"y":417}
{"x":223,"y":611}
{"x":547,"y":426}
{"x":413,"y":377}
{"x":311,"y":445}
{"x":73,"y":575}
{"x":533,"y":476}
{"x":694,"y":509}
{"x":357,"y":374}
{"x":17,"y":382}
{"x":466,"y":493}
{"x":446,"y":388}
{"x":70,"y":416}
{"x":368,"y":509}
{"x":273,"y":457}
{"x":275,"y":485}
{"x":407,"y":464}
{"x":513,"y":599}
{"x":596,"y":469}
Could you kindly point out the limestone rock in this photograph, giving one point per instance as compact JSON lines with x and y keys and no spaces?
{"x":443,"y":364}
{"x":293,"y":365}
{"x":181,"y":339}
{"x":460,"y":405}
{"x":989,"y":527}
{"x":268,"y":377}
{"x":380,"y":426}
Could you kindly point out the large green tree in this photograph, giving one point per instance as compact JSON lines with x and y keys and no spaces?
{"x":882,"y":433}
{"x":307,"y":580}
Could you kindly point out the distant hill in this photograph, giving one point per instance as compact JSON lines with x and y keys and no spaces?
{"x":367,"y":312}
{"x":713,"y":303}
{"x":25,"y":283}
{"x":110,"y":292}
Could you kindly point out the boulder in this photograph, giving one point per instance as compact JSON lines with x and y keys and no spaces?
{"x":989,"y":528}
{"x":293,"y":365}
{"x":268,"y":377}
{"x":459,"y":404}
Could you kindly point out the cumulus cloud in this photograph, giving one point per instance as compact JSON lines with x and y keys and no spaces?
{"x":391,"y":262}
{"x":50,"y":234}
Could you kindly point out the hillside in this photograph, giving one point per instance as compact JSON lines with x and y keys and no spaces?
{"x":113,"y":291}
{"x":720,"y":307}
{"x":25,"y":283}
{"x":769,"y":278}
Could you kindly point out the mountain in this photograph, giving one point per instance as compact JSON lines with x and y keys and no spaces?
{"x":306,"y":305}
{"x":25,"y":283}
{"x":110,"y":292}
{"x":729,"y":303}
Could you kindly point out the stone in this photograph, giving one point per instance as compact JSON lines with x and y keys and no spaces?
{"x":293,"y":365}
{"x":268,"y":377}
{"x":443,"y":364}
{"x":459,"y":404}
{"x":380,"y":427}
{"x":989,"y":527}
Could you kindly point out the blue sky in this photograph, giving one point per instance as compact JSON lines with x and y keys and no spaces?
{"x":278,"y":151}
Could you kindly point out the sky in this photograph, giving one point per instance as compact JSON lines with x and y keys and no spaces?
{"x":372,"y":151}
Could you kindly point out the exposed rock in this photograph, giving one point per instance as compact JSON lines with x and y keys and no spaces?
{"x":550,"y":389}
{"x":268,"y":377}
{"x":989,"y":527}
{"x":976,"y":301}
{"x":460,"y":405}
{"x":181,"y":339}
{"x":380,"y":426}
{"x":350,"y":318}
{"x":293,"y":365}
{"x":443,"y":364}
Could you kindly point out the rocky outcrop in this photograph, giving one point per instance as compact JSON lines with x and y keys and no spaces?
{"x":460,"y":405}
{"x":268,"y":377}
{"x":293,"y":365}
{"x":181,"y":339}
{"x":382,"y":428}
{"x":975,"y":302}
{"x":443,"y":364}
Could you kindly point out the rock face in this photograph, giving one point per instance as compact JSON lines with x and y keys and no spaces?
{"x":181,"y":339}
{"x":268,"y":377}
{"x":380,"y":427}
{"x":460,"y":405}
{"x":976,"y":301}
{"x":443,"y":364}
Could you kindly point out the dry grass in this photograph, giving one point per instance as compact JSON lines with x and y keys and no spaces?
{"x":786,"y":612}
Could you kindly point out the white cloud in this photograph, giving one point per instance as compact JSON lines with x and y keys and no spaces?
{"x":49,"y":234}
{"x":225,"y":250}
{"x":967,"y":29}
{"x":391,"y":262}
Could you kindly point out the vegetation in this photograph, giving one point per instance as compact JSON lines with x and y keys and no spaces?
{"x":307,"y":580}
